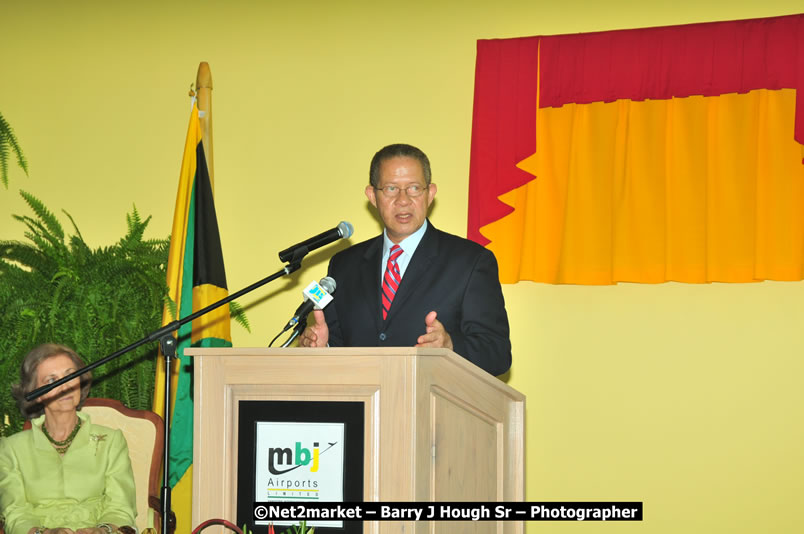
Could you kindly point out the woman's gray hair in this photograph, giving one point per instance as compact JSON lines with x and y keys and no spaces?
{"x":28,"y":371}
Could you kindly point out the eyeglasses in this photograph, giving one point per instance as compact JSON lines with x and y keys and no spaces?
{"x":392,"y":191}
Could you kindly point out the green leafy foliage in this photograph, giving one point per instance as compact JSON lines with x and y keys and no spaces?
{"x":55,"y":288}
{"x":301,"y":528}
{"x":238,"y":313}
{"x":9,"y":143}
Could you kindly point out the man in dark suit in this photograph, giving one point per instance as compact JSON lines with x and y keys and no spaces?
{"x":414,"y":285}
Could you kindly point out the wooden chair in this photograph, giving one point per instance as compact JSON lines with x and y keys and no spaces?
{"x":145,"y":433}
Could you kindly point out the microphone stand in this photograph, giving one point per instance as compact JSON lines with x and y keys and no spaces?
{"x":167,"y":343}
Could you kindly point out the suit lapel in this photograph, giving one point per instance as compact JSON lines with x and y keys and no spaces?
{"x":370,"y":273}
{"x":419,"y":266}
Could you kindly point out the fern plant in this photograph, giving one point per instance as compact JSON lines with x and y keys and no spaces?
{"x":9,"y":143}
{"x":55,"y":288}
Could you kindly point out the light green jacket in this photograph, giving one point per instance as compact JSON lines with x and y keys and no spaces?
{"x":91,"y":484}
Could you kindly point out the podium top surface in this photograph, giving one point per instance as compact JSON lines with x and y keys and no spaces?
{"x":341,"y":352}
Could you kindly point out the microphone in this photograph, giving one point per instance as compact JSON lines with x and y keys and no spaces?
{"x":343,"y":230}
{"x":316,"y":295}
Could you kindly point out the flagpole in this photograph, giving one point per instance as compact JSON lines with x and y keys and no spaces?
{"x":203,"y":89}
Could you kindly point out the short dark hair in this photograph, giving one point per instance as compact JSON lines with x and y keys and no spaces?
{"x":27,"y":383}
{"x":396,"y":151}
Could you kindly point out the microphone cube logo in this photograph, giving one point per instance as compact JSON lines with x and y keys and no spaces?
{"x":317,"y":294}
{"x":299,"y":461}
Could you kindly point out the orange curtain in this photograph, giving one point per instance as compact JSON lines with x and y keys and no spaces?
{"x":628,"y":175}
{"x":697,"y":189}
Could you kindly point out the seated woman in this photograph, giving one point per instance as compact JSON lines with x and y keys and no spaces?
{"x":65,"y":475}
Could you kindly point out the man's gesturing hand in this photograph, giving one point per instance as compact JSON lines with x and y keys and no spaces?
{"x":435,"y":335}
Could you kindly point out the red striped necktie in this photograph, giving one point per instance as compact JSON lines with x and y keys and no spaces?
{"x":390,"y":282}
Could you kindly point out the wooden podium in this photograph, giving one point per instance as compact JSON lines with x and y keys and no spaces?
{"x":437,"y":428}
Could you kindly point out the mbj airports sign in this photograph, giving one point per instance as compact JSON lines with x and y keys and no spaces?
{"x":299,"y":462}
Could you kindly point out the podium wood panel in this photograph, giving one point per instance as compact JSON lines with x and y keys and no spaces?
{"x":437,"y":428}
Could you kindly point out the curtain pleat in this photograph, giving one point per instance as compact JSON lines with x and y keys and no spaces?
{"x":697,"y":189}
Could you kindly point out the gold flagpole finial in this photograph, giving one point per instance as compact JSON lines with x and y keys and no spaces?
{"x":203,"y":89}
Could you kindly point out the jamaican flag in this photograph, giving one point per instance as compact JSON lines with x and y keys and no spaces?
{"x":196,"y":278}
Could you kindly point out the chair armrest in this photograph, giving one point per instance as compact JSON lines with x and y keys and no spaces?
{"x":156,"y":505}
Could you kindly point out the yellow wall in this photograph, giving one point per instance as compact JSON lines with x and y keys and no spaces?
{"x":685,"y":397}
